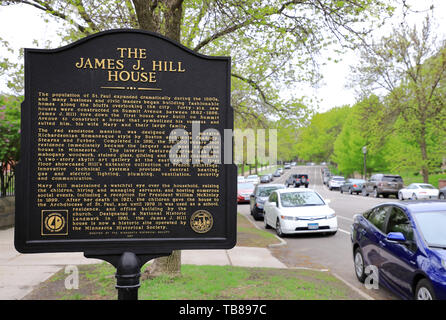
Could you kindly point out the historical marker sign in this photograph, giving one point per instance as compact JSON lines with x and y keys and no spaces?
{"x":121,"y":136}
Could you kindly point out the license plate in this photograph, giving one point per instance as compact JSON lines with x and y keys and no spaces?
{"x":246,"y":198}
{"x":313,"y":226}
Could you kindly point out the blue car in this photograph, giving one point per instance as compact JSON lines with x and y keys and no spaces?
{"x":405,"y":243}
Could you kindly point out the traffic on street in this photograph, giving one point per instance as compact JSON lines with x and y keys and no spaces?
{"x":312,"y":241}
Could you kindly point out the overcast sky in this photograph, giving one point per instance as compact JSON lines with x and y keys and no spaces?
{"x":20,"y":25}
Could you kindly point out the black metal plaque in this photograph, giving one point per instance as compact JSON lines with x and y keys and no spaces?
{"x":101,"y":122}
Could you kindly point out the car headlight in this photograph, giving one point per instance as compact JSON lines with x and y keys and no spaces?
{"x":330,"y":216}
{"x":287,"y":218}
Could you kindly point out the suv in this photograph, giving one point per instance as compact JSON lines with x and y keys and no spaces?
{"x":385,"y":184}
{"x":297,"y":180}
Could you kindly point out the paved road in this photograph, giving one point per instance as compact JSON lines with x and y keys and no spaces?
{"x":332,"y":252}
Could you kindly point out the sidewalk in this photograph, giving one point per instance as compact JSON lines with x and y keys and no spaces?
{"x":20,"y":273}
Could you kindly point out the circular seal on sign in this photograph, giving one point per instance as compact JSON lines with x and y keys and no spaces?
{"x":54,"y":222}
{"x":201,"y":221}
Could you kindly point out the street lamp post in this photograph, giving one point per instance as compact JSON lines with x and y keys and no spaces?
{"x":364,"y":151}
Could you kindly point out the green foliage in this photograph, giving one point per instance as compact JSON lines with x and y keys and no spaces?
{"x":9,"y":129}
{"x":410,"y":65}
{"x":360,"y":129}
{"x":316,"y":140}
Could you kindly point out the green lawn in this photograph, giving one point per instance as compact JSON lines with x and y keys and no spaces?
{"x":204,"y":283}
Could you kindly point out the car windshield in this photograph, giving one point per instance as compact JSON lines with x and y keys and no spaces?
{"x":432,"y":226}
{"x":265,"y":192}
{"x":338,"y":179}
{"x":252,"y":177}
{"x":392,"y":179}
{"x":299,"y":199}
{"x":357,"y":180}
{"x":245,"y":186}
{"x":426,"y":186}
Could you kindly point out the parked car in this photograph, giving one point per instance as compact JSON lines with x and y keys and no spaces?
{"x":276,"y":173}
{"x":442,"y":193}
{"x":415,"y":191}
{"x":295,"y":210}
{"x":244,"y":191}
{"x":297,"y":180}
{"x":406,"y":243}
{"x":293,"y":164}
{"x":240,"y":179}
{"x":280,"y":170}
{"x":335,"y":182}
{"x":259,"y":196}
{"x":265,"y":179}
{"x":327,"y":176}
{"x":383,"y":184}
{"x":287,"y":166}
{"x":253,"y":178}
{"x":352,"y":186}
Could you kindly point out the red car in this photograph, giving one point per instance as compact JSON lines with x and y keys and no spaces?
{"x":244,"y":191}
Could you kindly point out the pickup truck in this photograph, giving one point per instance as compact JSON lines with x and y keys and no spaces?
{"x":297,"y":180}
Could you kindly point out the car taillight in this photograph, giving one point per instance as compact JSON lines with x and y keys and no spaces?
{"x":423,"y":192}
{"x":355,"y":186}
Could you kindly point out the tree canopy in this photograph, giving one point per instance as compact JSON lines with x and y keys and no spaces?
{"x":273,"y":44}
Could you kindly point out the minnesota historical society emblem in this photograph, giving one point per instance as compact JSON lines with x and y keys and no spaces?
{"x":54,"y":222}
{"x":201,"y":221}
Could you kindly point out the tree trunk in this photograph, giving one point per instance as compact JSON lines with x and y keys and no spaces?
{"x":169,"y":265}
{"x":424,"y":166}
{"x":162,"y":16}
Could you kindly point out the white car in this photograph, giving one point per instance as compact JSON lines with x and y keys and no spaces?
{"x":253,"y":178}
{"x":296,"y":210}
{"x":336,"y":182}
{"x":417,"y":191}
{"x":240,"y":179}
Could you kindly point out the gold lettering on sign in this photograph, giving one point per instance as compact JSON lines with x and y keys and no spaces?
{"x":130,"y":66}
{"x":82,"y":137}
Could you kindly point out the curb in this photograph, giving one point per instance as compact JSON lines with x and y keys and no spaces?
{"x":358,"y":291}
{"x":274,"y":245}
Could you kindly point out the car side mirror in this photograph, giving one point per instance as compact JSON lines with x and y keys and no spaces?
{"x":396,"y":236}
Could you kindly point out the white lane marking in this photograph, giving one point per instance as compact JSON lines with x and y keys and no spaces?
{"x":345,"y":218}
{"x":339,"y":229}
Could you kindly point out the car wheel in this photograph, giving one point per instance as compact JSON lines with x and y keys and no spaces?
{"x":306,"y":186}
{"x":375,"y":193}
{"x":364,"y":192}
{"x":279,"y":228}
{"x":350,"y":191}
{"x":414,"y":197}
{"x":359,"y":265}
{"x":441,"y":196}
{"x":424,"y":290}
{"x":400,"y":196}
{"x":340,"y":190}
{"x":257,"y":216}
